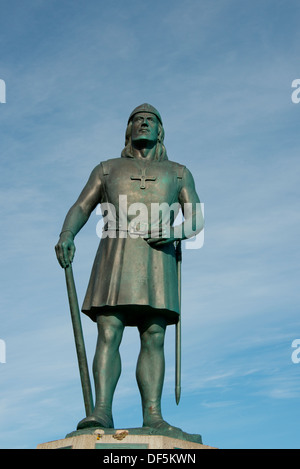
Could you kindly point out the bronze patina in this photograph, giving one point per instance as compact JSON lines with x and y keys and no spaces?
{"x":134,"y":278}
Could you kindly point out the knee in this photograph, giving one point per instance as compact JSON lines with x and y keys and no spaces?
{"x":110,"y":330}
{"x":153,"y":337}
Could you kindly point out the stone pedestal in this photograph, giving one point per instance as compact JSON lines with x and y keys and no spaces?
{"x":128,"y":439}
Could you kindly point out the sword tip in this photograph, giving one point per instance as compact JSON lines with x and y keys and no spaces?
{"x":177,"y":394}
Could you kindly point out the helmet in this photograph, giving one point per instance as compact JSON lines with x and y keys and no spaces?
{"x":145,"y":108}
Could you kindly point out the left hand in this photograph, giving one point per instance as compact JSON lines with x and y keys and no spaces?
{"x":162,"y":237}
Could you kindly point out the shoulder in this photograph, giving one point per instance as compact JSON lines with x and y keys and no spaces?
{"x":103,"y":168}
{"x":110,"y":164}
{"x":177,"y":167}
{"x":183,"y":172}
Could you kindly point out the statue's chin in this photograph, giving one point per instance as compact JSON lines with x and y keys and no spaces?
{"x":143,"y":141}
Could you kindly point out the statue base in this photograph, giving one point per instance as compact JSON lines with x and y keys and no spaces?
{"x":128,"y":439}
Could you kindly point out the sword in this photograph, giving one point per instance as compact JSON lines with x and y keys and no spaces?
{"x":178,"y":328}
{"x":79,"y":341}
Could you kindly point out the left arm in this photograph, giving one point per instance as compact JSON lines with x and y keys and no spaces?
{"x":193,"y":218}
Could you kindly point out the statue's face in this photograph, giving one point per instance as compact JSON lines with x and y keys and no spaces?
{"x":144,"y":127}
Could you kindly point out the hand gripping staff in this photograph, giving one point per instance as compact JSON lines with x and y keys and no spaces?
{"x":79,"y":341}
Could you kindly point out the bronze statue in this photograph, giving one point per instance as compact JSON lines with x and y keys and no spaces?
{"x":134,"y":276}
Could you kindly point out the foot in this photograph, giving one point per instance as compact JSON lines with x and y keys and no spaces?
{"x":164,"y":428}
{"x":102,"y":421}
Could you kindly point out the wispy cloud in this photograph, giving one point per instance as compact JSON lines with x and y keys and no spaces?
{"x":220,"y":73}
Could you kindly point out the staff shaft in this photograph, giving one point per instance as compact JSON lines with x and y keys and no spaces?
{"x":79,"y":341}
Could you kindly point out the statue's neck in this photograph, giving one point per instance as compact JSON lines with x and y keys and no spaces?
{"x":144,"y":152}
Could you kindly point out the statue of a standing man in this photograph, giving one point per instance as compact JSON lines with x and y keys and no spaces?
{"x":134,"y":277}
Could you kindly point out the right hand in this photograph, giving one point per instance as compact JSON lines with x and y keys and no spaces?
{"x":65,"y":249}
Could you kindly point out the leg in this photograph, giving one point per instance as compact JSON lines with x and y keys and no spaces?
{"x":151,"y":369}
{"x":106,"y":370}
{"x":150,"y":376}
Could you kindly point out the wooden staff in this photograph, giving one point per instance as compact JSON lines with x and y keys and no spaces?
{"x":79,"y":341}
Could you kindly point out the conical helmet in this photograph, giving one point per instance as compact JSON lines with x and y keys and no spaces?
{"x":145,"y":108}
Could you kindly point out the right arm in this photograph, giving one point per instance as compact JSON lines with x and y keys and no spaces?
{"x":77,"y":217}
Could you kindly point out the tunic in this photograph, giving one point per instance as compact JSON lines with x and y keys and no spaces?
{"x":129,"y":275}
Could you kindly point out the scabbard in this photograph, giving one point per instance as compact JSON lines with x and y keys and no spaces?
{"x":178,"y":328}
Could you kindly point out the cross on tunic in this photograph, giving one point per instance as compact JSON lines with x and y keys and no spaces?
{"x":143,"y":178}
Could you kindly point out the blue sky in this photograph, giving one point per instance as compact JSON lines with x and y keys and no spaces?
{"x":220,"y":73}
